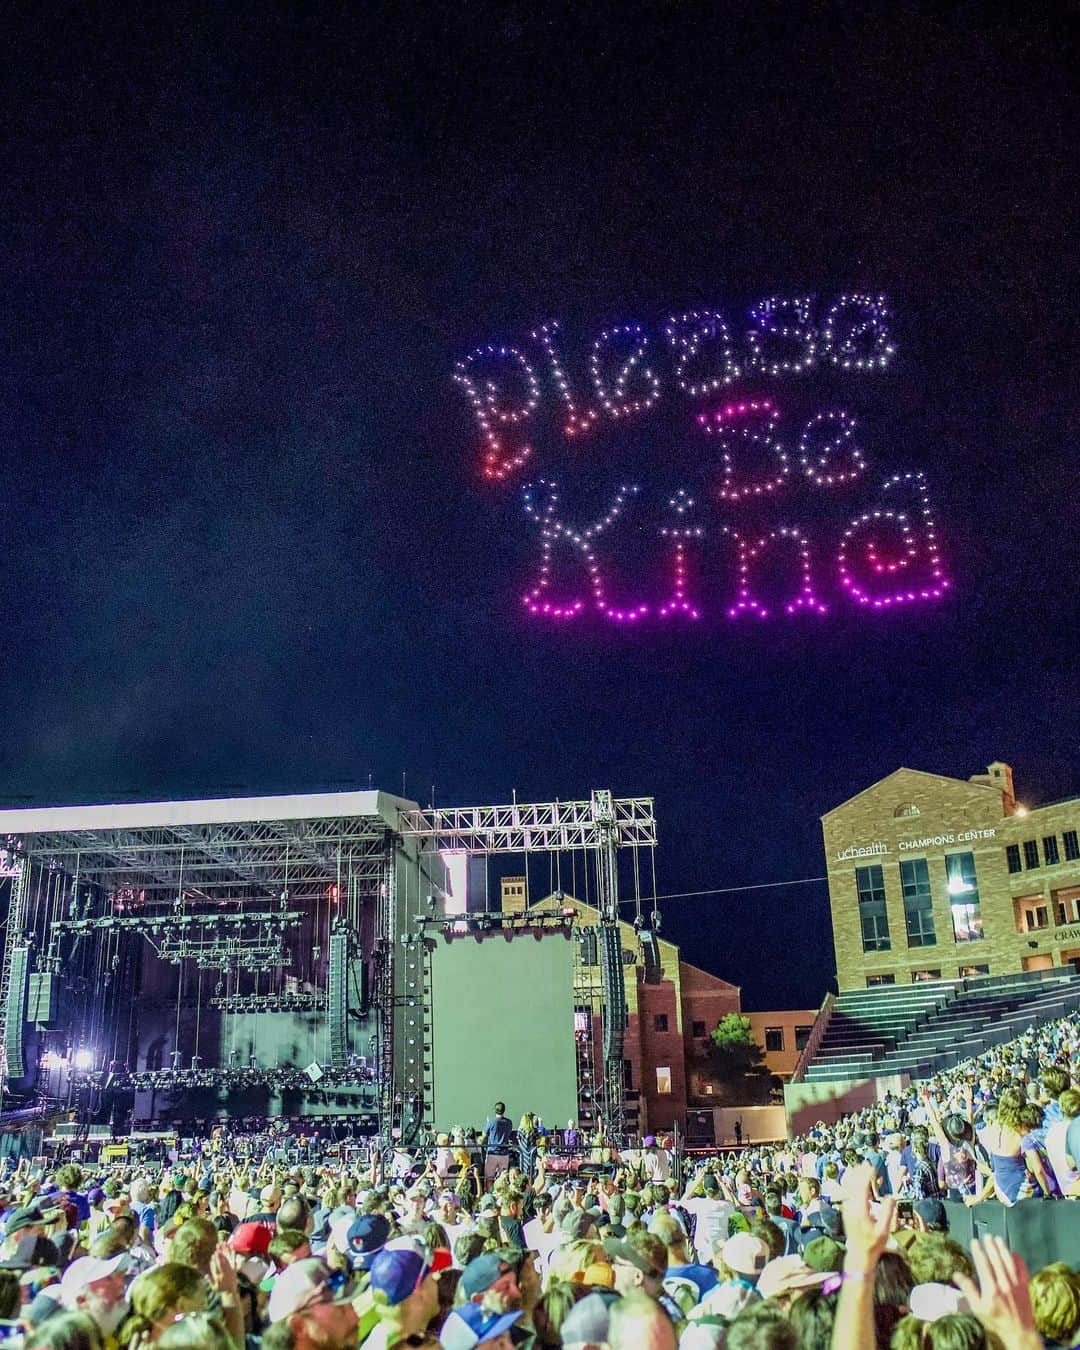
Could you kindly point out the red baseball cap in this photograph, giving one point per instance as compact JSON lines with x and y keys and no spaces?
{"x":251,"y":1239}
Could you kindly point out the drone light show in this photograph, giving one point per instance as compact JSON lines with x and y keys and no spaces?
{"x":708,"y":466}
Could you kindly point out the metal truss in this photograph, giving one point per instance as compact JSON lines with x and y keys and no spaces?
{"x":312,"y":1001}
{"x":525,"y":826}
{"x":168,"y":923}
{"x":227,"y":860}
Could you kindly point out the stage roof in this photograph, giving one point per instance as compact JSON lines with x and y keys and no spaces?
{"x":224,"y":848}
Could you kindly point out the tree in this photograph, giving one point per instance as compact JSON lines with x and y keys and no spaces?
{"x":734,"y":1052}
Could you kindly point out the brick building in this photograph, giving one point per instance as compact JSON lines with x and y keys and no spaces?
{"x":934,"y":877}
{"x":668,"y":1022}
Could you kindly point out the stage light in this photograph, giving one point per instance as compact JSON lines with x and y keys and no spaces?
{"x":84,"y":1059}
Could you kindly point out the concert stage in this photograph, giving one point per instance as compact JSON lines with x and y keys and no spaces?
{"x":171,"y":963}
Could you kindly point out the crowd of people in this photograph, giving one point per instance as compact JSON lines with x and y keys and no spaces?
{"x":837,"y":1240}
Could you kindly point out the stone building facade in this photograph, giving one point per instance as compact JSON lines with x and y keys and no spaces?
{"x":935,"y":877}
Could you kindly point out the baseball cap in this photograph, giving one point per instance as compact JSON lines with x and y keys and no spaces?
{"x":928,"y":1302}
{"x":745,"y":1254}
{"x":823,"y":1254}
{"x":599,"y":1272}
{"x":577,"y":1223}
{"x":482,"y":1272}
{"x":618,"y":1250}
{"x":472,"y":1324}
{"x":84,"y":1272}
{"x":785,"y":1273}
{"x":704,"y":1333}
{"x":365,"y":1238}
{"x":727,"y":1300}
{"x":304,"y":1284}
{"x":29,"y":1215}
{"x":932,"y":1212}
{"x":43,"y":1306}
{"x":586,"y":1323}
{"x":649,"y":1141}
{"x":251,"y":1239}
{"x":396,"y":1272}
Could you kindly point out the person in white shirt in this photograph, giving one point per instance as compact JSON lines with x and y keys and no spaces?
{"x":542,"y":1233}
{"x":711,"y":1213}
{"x":1054,"y":1142}
{"x":655,"y":1161}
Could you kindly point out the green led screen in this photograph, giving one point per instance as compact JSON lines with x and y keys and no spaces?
{"x":503,"y":1028}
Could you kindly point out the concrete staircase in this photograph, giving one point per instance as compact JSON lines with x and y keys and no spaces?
{"x":926,"y":1028}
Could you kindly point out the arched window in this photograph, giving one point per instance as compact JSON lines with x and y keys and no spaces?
{"x":907,"y":809}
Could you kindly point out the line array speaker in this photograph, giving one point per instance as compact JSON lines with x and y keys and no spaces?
{"x":653,"y":972}
{"x":15,"y":1013}
{"x":43,"y":1001}
{"x":337,"y":1000}
{"x":614,"y":990}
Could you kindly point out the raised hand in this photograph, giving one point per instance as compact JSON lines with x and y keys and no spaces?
{"x":1001,"y":1300}
{"x":866,"y":1233}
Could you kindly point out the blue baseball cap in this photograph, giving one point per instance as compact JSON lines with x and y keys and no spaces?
{"x":472,"y":1324}
{"x":482,"y":1272}
{"x":366,"y":1238}
{"x":396,"y":1273}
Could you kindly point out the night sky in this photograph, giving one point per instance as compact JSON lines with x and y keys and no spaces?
{"x":245,"y":547}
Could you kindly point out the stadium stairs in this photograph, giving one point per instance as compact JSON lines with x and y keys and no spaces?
{"x":923,"y":1029}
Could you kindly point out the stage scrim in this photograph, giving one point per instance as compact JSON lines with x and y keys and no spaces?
{"x":502,"y":1028}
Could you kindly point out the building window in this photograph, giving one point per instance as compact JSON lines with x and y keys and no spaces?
{"x":870,"y":883}
{"x":1031,"y":853}
{"x":1066,"y":903}
{"x":963,"y":888}
{"x":965,"y":972}
{"x":1012,"y":858}
{"x":872,"y":981}
{"x":918,"y":905}
{"x":698,"y":1029}
{"x":628,"y":1074}
{"x":1031,"y":912}
{"x":660,"y":1022}
{"x":663,"y":1082}
{"x":1072,"y":845}
{"x":907,"y":809}
{"x":774,"y":1039}
{"x":1050,"y":850}
{"x":920,"y":976}
{"x":802,"y":1037}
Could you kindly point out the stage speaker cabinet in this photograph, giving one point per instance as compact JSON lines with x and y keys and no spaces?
{"x":365,"y":988}
{"x":652,"y":972}
{"x":43,"y":1001}
{"x":15,"y":1013}
{"x":337,"y":1000}
{"x":700,"y":1127}
{"x":614,"y":990}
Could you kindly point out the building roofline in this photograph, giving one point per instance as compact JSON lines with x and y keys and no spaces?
{"x":922,"y":773}
{"x":708,"y":974}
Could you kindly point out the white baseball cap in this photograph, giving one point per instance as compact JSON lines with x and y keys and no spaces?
{"x":85,"y":1271}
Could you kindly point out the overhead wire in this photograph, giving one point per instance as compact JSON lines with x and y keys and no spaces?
{"x":731,"y":890}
